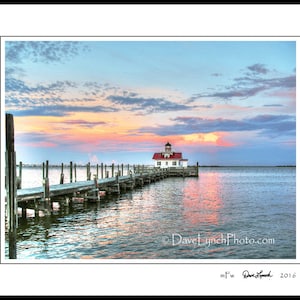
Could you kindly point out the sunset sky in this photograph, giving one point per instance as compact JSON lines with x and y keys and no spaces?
{"x":217,"y":102}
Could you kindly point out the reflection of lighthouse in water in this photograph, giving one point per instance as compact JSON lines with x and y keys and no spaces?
{"x":204,"y":208}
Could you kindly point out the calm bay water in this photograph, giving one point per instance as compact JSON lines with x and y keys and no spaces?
{"x":225,"y":213}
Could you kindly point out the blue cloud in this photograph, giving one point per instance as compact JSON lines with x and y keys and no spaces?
{"x":57,"y":110}
{"x":17,"y":85}
{"x":273,"y":105}
{"x":148,"y":105}
{"x":42,"y":51}
{"x":269,"y":125}
{"x":258,"y":69}
{"x":246,"y":87}
{"x":84,"y":123}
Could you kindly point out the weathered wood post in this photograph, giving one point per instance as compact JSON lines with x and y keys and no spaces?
{"x":62,"y":174}
{"x":19,"y":178}
{"x":43,"y":171}
{"x":101,"y":170}
{"x":46,"y":183}
{"x":19,"y":186}
{"x":128,"y":169}
{"x":96,"y":193}
{"x":122,"y":170}
{"x":47,"y":169}
{"x":88,"y":171}
{"x":112,"y":170}
{"x":75,"y":172}
{"x":97,"y":168}
{"x":71,"y":171}
{"x":11,"y":186}
{"x":105,"y":171}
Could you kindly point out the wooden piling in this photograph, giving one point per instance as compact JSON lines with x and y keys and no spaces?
{"x":101,"y":170}
{"x":19,"y":178}
{"x":71,"y":171}
{"x":122,"y":170}
{"x":46,"y":186}
{"x":112,"y":170}
{"x":97,"y":170}
{"x":23,"y":207}
{"x":11,"y":185}
{"x":62,"y":174}
{"x":47,"y":169}
{"x":75,"y":172}
{"x":88,"y":171}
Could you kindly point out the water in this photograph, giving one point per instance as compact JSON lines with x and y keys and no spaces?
{"x":225,"y":213}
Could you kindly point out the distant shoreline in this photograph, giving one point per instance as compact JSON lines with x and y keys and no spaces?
{"x":204,"y":166}
{"x":283,"y":166}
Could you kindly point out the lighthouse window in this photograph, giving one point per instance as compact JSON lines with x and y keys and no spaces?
{"x":159,"y":163}
{"x":174,"y":163}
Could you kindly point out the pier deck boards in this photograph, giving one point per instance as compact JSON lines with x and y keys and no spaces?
{"x":80,"y":187}
{"x":65,"y":189}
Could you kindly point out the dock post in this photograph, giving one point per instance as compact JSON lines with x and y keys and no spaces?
{"x":107,"y":174}
{"x":97,"y":170}
{"x":75,"y":172}
{"x":11,"y":186}
{"x":97,"y":196}
{"x":101,"y":170}
{"x":43,"y":170}
{"x":36,"y":208}
{"x":88,"y":171}
{"x":24,"y":211}
{"x":112,"y":170}
{"x":62,"y":174}
{"x":122,"y":170}
{"x":105,"y":171}
{"x":19,"y":178}
{"x":71,"y":171}
{"x":46,"y":189}
{"x":47,"y":169}
{"x":128,"y":169}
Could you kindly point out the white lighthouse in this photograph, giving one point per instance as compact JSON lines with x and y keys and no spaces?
{"x":169,"y":158}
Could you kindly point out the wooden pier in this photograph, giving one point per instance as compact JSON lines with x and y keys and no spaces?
{"x":42,"y":198}
{"x":115,"y":184}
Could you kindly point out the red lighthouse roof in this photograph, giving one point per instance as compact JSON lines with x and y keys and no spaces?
{"x":173,"y":155}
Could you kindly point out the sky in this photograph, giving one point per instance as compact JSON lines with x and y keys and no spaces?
{"x":218,"y":102}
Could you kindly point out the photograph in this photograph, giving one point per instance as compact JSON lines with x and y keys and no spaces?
{"x":162,"y":148}
{"x":149,"y":150}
